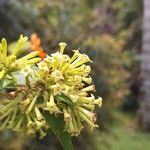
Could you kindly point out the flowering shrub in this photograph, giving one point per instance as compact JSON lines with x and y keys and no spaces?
{"x":38,"y":88}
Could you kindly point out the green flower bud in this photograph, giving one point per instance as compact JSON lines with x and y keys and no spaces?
{"x":4,"y":47}
{"x":21,"y":42}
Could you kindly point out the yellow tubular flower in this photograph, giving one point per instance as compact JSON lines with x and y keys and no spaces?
{"x":38,"y":113}
{"x":9,"y":62}
{"x":18,"y":125}
{"x":89,"y":88}
{"x":51,"y":106}
{"x":98,"y":102}
{"x":31,"y":104}
{"x":67,"y":116}
{"x":62,"y":47}
{"x":4,"y":125}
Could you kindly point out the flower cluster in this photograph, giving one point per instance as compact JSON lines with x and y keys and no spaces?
{"x":58,"y":84}
{"x":9,"y":62}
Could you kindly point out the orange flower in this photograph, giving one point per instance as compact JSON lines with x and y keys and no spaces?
{"x":35,"y":45}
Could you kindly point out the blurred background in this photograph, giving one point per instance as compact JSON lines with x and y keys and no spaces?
{"x":110,"y":32}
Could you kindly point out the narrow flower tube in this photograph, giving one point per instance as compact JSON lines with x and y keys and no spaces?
{"x":4,"y":47}
{"x":42,"y":133}
{"x":62,"y":47}
{"x":33,"y":61}
{"x":71,"y":128}
{"x":90,"y":115}
{"x":18,"y":126}
{"x":9,"y":106}
{"x":22,"y":40}
{"x":40,"y":124}
{"x":11,"y":122}
{"x":98,"y":102}
{"x":51,"y":104}
{"x":88,"y":121}
{"x":81,"y":68}
{"x":87,"y":70}
{"x":31,"y":104}
{"x":82,"y":93}
{"x":65,"y":67}
{"x":87,"y":80}
{"x":6,"y":113}
{"x":26,"y":102}
{"x":87,"y":99}
{"x":89,"y":88}
{"x":29,"y":121}
{"x":4,"y":125}
{"x":30,"y":126}
{"x":77,"y":60}
{"x":75,"y":55}
{"x":38,"y":113}
{"x":82,"y":59}
{"x":76,"y":130}
{"x":79,"y":124}
{"x":67,"y":116}
{"x":88,"y":106}
{"x":58,"y":57}
{"x":29,"y":56}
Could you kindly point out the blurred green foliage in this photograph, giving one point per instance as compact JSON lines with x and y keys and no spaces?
{"x":123,"y":135}
{"x":109,"y":31}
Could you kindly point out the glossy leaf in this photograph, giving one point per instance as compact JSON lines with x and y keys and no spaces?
{"x":56,"y":124}
{"x":65,"y":99}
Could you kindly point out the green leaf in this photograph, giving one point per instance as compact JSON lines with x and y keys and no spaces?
{"x":56,"y":124}
{"x":65,"y":99}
